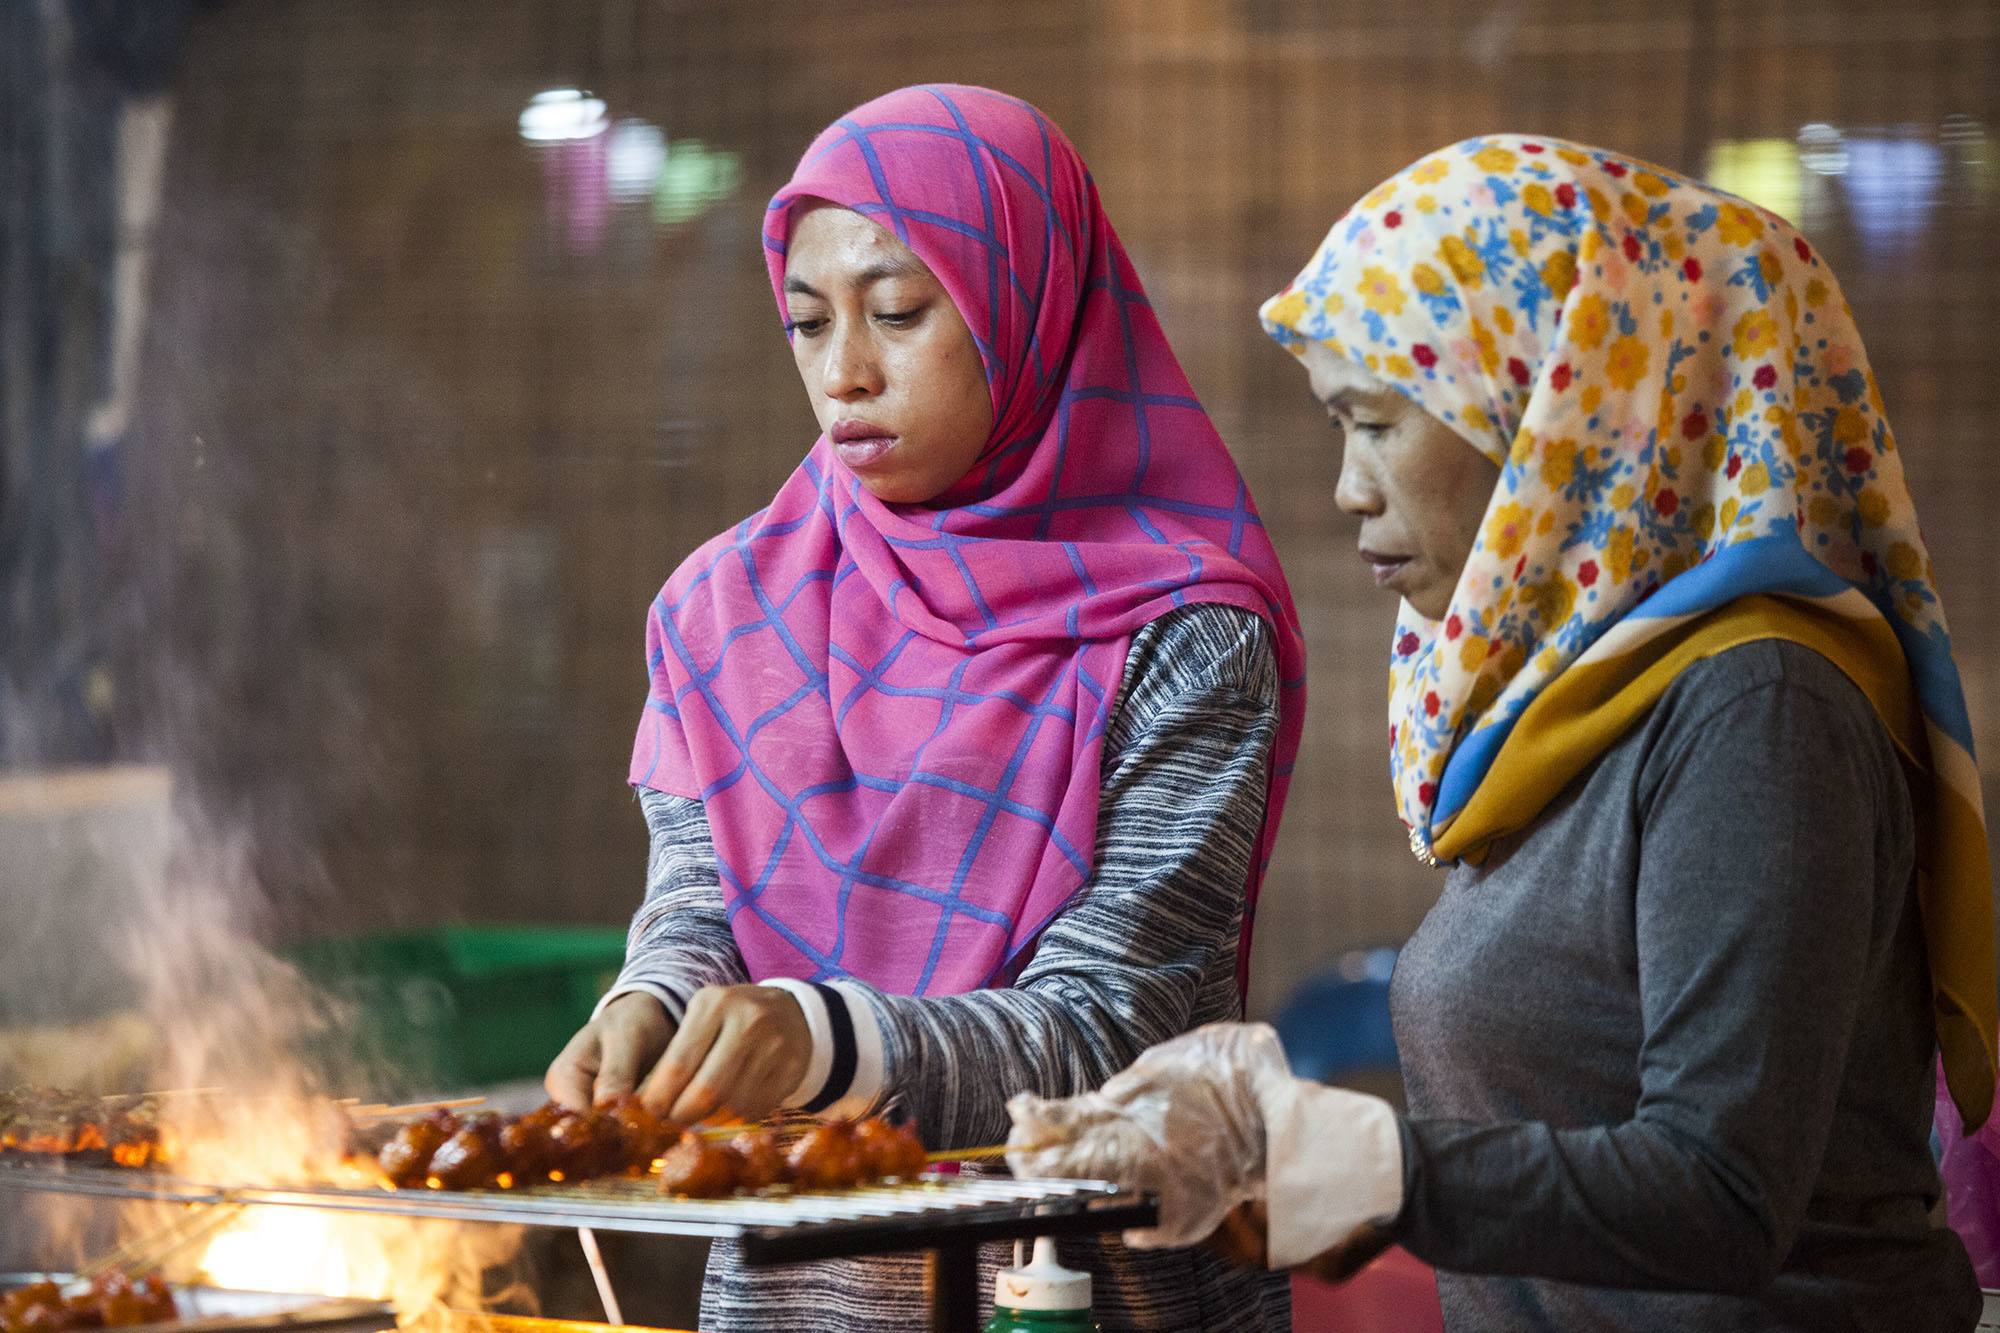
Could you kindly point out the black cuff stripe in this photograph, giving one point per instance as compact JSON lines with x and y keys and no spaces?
{"x":840,"y":1076}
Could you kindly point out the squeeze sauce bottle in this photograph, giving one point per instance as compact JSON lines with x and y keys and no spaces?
{"x":1043,"y":1297}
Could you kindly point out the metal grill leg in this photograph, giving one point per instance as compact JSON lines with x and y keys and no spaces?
{"x":951,"y":1278}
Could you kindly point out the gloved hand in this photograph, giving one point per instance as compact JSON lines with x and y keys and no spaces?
{"x":1214,"y":1118}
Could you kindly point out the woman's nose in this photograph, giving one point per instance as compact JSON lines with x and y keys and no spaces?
{"x":851,"y":369}
{"x":1357,"y":492}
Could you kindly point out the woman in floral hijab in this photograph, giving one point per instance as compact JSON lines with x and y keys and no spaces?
{"x":1672,"y":693}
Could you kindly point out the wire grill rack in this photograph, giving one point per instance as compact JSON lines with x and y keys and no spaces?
{"x":946,"y":1215}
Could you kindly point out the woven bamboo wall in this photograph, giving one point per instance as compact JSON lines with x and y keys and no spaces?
{"x":420,"y":443}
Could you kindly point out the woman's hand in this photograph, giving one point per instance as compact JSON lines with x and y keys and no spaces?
{"x":1214,"y":1119}
{"x":1182,"y":1122}
{"x":740,"y":1050}
{"x":611,"y":1053}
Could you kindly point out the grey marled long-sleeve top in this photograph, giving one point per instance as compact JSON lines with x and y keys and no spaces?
{"x":1145,"y":951}
{"x":1669,"y":1049}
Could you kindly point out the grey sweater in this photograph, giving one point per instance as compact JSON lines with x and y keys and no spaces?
{"x":1144,"y":952}
{"x":1669,"y":1050}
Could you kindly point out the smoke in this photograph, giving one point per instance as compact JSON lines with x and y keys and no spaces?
{"x":142,"y":902}
{"x":158,"y":909}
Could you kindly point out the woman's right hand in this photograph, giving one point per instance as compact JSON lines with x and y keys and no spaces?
{"x":612,"y":1053}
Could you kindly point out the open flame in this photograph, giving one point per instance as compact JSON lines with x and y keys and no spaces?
{"x":418,"y":1265}
{"x":243,"y":1050}
{"x":301,"y":1250}
{"x":233,"y":1017}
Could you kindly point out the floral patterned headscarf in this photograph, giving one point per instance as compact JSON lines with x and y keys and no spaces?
{"x":1676,"y":396}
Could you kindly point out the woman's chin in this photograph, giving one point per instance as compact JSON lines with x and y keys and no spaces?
{"x":894,"y":490}
{"x":1429,"y":603}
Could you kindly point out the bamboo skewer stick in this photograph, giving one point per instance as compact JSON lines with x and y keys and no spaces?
{"x":382,"y":1110}
{"x":162,"y":1092}
{"x":599,"y":1275}
{"x":220,"y":1216}
{"x":984,"y":1153}
{"x":164,"y":1243}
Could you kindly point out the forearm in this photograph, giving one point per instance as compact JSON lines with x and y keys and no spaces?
{"x":680,"y":939}
{"x":954,"y":1061}
{"x":1631,"y":1205}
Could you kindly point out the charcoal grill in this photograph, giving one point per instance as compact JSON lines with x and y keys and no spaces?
{"x":945,"y":1216}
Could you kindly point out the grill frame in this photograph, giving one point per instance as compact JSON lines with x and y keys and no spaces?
{"x":902,"y":1216}
{"x":948,"y":1217}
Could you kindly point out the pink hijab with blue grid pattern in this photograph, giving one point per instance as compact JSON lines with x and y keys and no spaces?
{"x":895,"y":714}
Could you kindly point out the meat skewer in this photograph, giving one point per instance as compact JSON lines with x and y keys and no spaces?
{"x":622,"y":1137}
{"x":59,"y":1122}
{"x":114,"y":1300}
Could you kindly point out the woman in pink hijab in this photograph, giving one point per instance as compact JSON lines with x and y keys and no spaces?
{"x":963,"y":758}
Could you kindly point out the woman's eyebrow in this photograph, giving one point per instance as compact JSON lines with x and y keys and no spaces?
{"x":879,"y":271}
{"x":1348,"y":399}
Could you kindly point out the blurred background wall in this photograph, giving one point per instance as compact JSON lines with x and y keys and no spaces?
{"x":430,"y":382}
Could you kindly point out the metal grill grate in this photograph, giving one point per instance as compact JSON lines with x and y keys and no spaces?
{"x":907,"y":1212}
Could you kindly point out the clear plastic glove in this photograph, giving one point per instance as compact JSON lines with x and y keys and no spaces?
{"x":1182,"y":1122}
{"x":1212,"y":1119}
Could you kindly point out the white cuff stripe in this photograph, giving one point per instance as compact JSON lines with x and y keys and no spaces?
{"x":669,"y":999}
{"x":864,"y":1091}
{"x":820,"y":1026}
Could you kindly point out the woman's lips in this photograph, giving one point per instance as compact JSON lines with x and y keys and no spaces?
{"x":863,"y":450}
{"x":860,"y":443}
{"x":1385,"y":567}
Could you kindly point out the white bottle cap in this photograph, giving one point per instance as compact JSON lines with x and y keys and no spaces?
{"x":1043,"y":1285}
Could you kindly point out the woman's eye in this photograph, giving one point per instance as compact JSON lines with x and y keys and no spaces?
{"x":900,"y":319}
{"x":808,"y":326}
{"x":1366,"y":427}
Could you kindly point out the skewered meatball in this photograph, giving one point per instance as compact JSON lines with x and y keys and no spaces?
{"x":646,"y":1135}
{"x":826,"y":1158}
{"x":118,"y":1301}
{"x":471,"y":1158}
{"x":585,"y":1144}
{"x":36,"y":1304}
{"x":38,"y":1319}
{"x":889,"y":1150}
{"x":156,"y":1300}
{"x":760,"y":1161}
{"x":406,"y":1158}
{"x":525,"y":1146}
{"x":698,"y":1169}
{"x":133,"y":1138}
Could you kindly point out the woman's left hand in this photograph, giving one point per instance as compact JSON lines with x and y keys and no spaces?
{"x":740,"y":1050}
{"x":1182,"y":1122}
{"x":1213,"y":1119}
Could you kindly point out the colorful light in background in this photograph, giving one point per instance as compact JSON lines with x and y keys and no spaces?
{"x":1822,"y":149}
{"x":1969,"y":151}
{"x":592,"y":163}
{"x":636,"y":154}
{"x":1892,"y":186}
{"x":1764,"y":171}
{"x":1884,"y":183}
{"x":695,"y":179}
{"x":567,"y":127}
{"x":562,"y":114}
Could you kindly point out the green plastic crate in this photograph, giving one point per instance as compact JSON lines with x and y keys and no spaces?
{"x":456,"y":1006}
